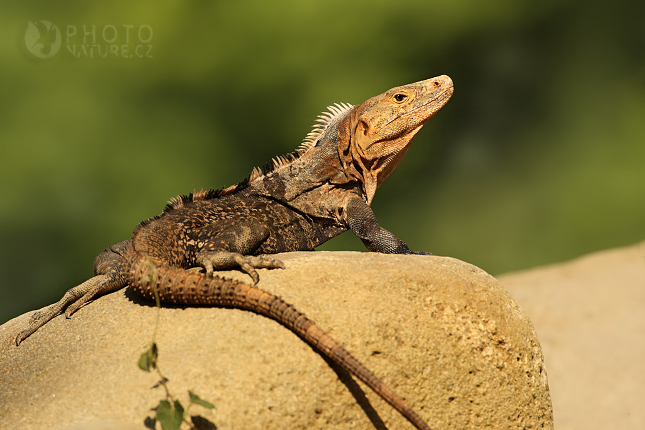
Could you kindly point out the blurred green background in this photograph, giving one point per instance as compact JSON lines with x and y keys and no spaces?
{"x":539,"y":157}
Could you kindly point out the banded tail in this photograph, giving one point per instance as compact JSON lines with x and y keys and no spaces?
{"x":177,"y":286}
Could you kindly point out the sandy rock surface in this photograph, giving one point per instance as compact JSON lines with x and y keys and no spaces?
{"x":590,"y":318}
{"x":440,"y":332}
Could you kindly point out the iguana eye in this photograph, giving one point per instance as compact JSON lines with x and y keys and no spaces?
{"x":400,"y":97}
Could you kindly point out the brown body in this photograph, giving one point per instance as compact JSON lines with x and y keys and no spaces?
{"x":301,"y":201}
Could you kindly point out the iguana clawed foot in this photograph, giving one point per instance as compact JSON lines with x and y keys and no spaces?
{"x":37,"y":320}
{"x":222,"y":260}
{"x":41,"y":317}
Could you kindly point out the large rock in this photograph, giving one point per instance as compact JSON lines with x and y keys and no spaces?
{"x":590,"y":316}
{"x":442,"y":333}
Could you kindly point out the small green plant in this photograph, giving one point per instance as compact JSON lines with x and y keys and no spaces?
{"x":169,"y":412}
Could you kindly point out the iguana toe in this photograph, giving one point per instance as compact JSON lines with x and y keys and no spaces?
{"x":223,"y":260}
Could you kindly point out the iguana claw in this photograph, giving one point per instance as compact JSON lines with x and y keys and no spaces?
{"x":222,"y":260}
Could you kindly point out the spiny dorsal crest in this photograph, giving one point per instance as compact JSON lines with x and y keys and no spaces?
{"x":322,"y":123}
{"x":183,"y":201}
{"x":325,"y":120}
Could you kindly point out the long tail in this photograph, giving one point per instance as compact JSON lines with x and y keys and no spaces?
{"x":176,"y":286}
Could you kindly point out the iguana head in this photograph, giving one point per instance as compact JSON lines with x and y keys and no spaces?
{"x":382,"y":128}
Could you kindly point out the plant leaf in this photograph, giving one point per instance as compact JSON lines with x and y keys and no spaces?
{"x":194,"y":398}
{"x":170,"y":416}
{"x":148,"y":359}
{"x":144,"y":362}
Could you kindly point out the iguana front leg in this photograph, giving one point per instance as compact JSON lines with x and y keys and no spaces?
{"x":361,"y":220}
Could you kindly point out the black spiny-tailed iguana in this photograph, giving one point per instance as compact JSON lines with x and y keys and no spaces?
{"x":300,"y":201}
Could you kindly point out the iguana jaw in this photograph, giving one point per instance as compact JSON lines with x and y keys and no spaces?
{"x":382,"y":128}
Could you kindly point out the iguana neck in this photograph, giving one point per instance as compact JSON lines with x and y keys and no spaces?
{"x":377,"y":134}
{"x":361,"y":144}
{"x":319,"y":164}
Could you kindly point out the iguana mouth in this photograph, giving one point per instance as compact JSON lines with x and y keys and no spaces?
{"x":445,"y":94}
{"x":439,"y":100}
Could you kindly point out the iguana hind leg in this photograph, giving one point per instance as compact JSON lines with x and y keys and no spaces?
{"x":73,"y":299}
{"x":222,"y":260}
{"x":232,"y":247}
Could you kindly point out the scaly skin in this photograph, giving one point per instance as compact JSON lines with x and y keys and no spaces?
{"x":179,"y":287}
{"x":301,"y":201}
